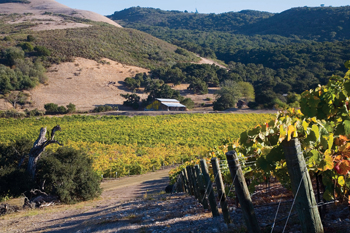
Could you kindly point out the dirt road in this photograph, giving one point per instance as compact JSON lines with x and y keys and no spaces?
{"x":71,"y":218}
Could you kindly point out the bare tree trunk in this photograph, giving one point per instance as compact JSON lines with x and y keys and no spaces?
{"x":38,"y":148}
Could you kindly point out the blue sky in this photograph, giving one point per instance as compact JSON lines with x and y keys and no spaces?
{"x":107,"y":7}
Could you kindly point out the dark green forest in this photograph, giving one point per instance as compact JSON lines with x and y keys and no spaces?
{"x":278,"y":53}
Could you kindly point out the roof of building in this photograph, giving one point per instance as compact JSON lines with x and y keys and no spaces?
{"x":174,"y":105}
{"x":168,"y":100}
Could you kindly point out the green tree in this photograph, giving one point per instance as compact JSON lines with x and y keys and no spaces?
{"x":12,"y":54}
{"x":42,"y":51}
{"x":198,"y":86}
{"x":247,"y":91}
{"x":132,"y":100}
{"x":228,"y":95}
{"x":188,"y":102}
{"x":68,"y":173}
{"x":71,"y":108}
{"x":51,"y":108}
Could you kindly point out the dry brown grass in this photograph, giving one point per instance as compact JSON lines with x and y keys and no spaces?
{"x":38,"y":7}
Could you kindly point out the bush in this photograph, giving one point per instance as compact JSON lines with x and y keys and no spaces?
{"x":61,"y":110}
{"x":69,"y":175}
{"x":253,"y":105}
{"x":71,"y":108}
{"x":105,"y":108}
{"x":132,"y":100}
{"x":188,"y":102}
{"x":14,"y":181}
{"x":51,"y":108}
{"x":26,"y":46}
{"x":30,"y":38}
{"x":34,"y":112}
{"x":42,"y":51}
{"x":12,"y":54}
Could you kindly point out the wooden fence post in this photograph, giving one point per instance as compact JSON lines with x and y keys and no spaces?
{"x":187,"y":181}
{"x":305,"y":202}
{"x":179,"y":184}
{"x":195,"y":183}
{"x":209,"y":188}
{"x":221,"y":190}
{"x":190,"y":181}
{"x":242,"y":192}
{"x":202,"y":196}
{"x":182,"y":176}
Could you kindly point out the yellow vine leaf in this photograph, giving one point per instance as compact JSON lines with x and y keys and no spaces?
{"x":283,"y":134}
{"x":290,"y":130}
{"x":327,"y":163}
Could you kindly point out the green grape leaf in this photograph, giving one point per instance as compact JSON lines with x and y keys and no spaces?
{"x":276,"y":154}
{"x":324,"y":141}
{"x":328,"y":195}
{"x":314,"y":158}
{"x":327,"y":178}
{"x":347,"y":65}
{"x":347,"y":127}
{"x":254,"y":132}
{"x":263,"y":164}
{"x":244,"y":139}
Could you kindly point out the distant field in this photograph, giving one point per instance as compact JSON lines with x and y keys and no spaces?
{"x":137,"y":144}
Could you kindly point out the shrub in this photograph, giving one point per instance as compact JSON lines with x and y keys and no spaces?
{"x":42,"y":51}
{"x":12,"y":54}
{"x":34,"y":112}
{"x":61,"y":110}
{"x":69,"y":175}
{"x":30,"y":38}
{"x":26,"y":46}
{"x":14,"y":181}
{"x":105,"y":108}
{"x":188,"y":102}
{"x":131,"y":100}
{"x":7,"y":38}
{"x":71,"y":108}
{"x":51,"y":108}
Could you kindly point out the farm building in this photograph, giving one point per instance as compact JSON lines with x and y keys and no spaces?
{"x":165,"y":105}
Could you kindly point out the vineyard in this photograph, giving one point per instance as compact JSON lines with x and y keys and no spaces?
{"x":122,"y":145}
{"x":300,"y":148}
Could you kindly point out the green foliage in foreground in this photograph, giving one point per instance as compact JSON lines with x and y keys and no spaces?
{"x":67,"y":173}
{"x":181,"y":129}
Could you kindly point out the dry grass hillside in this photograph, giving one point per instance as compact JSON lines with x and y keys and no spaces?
{"x":87,"y":83}
{"x":39,"y":11}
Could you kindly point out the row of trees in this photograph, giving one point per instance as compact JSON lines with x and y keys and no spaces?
{"x":268,"y":87}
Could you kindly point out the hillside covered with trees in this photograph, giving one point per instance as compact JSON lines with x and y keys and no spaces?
{"x":284,"y":53}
